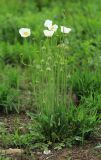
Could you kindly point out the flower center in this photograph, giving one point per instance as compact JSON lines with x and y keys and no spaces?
{"x":26,"y":33}
{"x":52,"y":28}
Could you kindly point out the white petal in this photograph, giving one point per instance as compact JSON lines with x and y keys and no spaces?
{"x":65,"y":29}
{"x":48,"y":33}
{"x":48,"y":23}
{"x":47,"y":152}
{"x":53,"y":28}
{"x":25,"y":32}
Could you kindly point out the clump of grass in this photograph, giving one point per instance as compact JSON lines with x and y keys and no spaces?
{"x":59,"y":120}
{"x":9,"y":90}
{"x":84,"y":83}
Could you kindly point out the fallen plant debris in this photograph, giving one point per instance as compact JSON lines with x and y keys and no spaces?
{"x":12,"y":151}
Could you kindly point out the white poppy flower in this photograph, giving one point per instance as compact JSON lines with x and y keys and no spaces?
{"x":53,"y":28}
{"x":25,"y":32}
{"x":50,"y":26}
{"x":65,"y":29}
{"x":46,"y":152}
{"x":48,"y":33}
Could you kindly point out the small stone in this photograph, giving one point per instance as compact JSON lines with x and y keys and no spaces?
{"x":46,"y":152}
